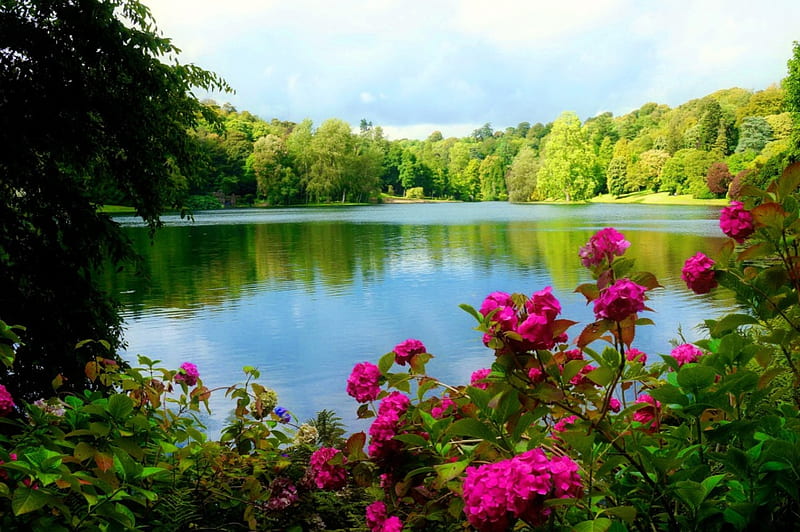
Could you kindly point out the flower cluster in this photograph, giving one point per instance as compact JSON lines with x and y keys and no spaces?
{"x":377,"y":520}
{"x":649,"y":415}
{"x":736,"y":222}
{"x":622,"y":299}
{"x":363,"y":382}
{"x":326,"y":468}
{"x":634,"y":355}
{"x":445,"y":405}
{"x":384,"y":428}
{"x":306,"y":434}
{"x":686,"y":354}
{"x":535,"y":322}
{"x":698,"y":273}
{"x":494,"y":493}
{"x":282,"y":494}
{"x":6,"y":401}
{"x":602,"y":247}
{"x":478,"y":378}
{"x":406,"y":350}
{"x":188,"y":374}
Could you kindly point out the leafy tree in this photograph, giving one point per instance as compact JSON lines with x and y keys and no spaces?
{"x":754,"y":134}
{"x":567,"y":171}
{"x":93,"y":100}
{"x":492,"y":179}
{"x":791,"y":85}
{"x":268,"y":161}
{"x":645,"y":173}
{"x":685,"y":172}
{"x":521,"y":177}
{"x":330,"y":148}
{"x":617,"y":176}
{"x":718,"y":178}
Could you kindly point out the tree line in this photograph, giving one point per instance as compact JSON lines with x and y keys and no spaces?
{"x":703,"y":147}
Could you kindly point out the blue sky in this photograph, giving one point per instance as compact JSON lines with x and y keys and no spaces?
{"x":415,"y":66}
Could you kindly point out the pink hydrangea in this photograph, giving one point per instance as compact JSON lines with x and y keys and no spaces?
{"x":562,"y":424}
{"x":603,"y":246}
{"x":648,"y":415}
{"x":188,"y":374}
{"x":439,"y":411}
{"x":496,"y":492}
{"x":698,"y":274}
{"x":620,"y":300}
{"x":326,"y":468}
{"x":282,"y":494}
{"x":614,"y":405}
{"x":6,"y":401}
{"x":386,"y":424}
{"x":477,"y":380}
{"x":686,"y":354}
{"x":392,"y":524}
{"x":544,"y":303}
{"x":581,"y":378}
{"x":495,"y":300}
{"x":405,"y":351}
{"x":736,"y":222}
{"x":536,"y":375}
{"x":363,"y":382}
{"x":573,"y":354}
{"x":634,"y":355}
{"x":376,"y":515}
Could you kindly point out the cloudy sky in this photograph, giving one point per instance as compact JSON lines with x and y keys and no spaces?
{"x":415,"y":66}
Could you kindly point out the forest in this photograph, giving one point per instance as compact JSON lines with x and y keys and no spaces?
{"x":702,"y":147}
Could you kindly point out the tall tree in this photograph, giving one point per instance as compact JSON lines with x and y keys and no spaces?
{"x":93,"y":99}
{"x":568,"y":169}
{"x":521,"y":177}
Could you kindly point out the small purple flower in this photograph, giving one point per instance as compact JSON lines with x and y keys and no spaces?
{"x":283,"y":414}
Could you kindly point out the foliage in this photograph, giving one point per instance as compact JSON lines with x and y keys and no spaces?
{"x":136,"y":458}
{"x":686,"y":443}
{"x":94,"y":107}
{"x":718,"y":178}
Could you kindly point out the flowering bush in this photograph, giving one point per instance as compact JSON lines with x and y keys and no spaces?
{"x":579,"y":430}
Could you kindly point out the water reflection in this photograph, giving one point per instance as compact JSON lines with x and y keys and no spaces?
{"x":306,"y":293}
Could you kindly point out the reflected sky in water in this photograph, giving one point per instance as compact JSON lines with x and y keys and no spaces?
{"x":304,"y":294}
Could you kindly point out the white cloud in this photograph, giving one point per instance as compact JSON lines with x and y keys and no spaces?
{"x":366,"y":97}
{"x":423,"y":131}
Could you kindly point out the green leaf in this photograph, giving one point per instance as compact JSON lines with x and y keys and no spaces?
{"x":601,"y":524}
{"x":789,"y":180}
{"x":601,"y":376}
{"x":386,"y":362}
{"x":147,"y":472}
{"x":27,"y":500}
{"x":471,"y":428}
{"x":626,"y":513}
{"x":412,"y":439}
{"x":449,"y":471}
{"x":504,"y":405}
{"x":669,"y":394}
{"x":472,"y":312}
{"x":119,"y":406}
{"x":730,"y":323}
{"x":711,"y":482}
{"x":696,"y":378}
{"x":690,"y":492}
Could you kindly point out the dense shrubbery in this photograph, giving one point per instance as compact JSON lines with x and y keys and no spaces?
{"x":581,"y":434}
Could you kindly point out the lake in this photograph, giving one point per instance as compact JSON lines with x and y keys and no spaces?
{"x":305,"y":293}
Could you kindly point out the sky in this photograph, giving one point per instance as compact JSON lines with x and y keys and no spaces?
{"x":416,"y":66}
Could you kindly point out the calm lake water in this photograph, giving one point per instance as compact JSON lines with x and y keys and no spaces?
{"x":304,"y":294}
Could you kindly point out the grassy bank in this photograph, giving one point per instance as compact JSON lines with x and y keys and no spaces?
{"x":657,"y":198}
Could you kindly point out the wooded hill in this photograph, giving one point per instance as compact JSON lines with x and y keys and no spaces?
{"x":702,"y":148}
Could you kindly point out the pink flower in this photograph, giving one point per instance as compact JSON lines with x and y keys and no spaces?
{"x":495,"y":300}
{"x":603,"y":246}
{"x":439,"y":411}
{"x":536,"y":375}
{"x":686,"y":354}
{"x":620,"y":300}
{"x":698,"y":273}
{"x":362,"y":384}
{"x":736,"y":222}
{"x":561,"y":424}
{"x":392,"y":524}
{"x":188,"y":374}
{"x":581,"y":378}
{"x":386,"y":424}
{"x":282,"y":494}
{"x":538,"y":330}
{"x":477,"y":379}
{"x":326,"y":468}
{"x":494,"y":493}
{"x":614,"y":405}
{"x":573,"y":354}
{"x":6,"y":401}
{"x":649,"y":414}
{"x":544,"y":303}
{"x":634,"y":355}
{"x":376,"y":515}
{"x":405,"y":351}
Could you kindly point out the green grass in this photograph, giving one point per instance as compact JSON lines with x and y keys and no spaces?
{"x":657,"y":198}
{"x":117,"y":209}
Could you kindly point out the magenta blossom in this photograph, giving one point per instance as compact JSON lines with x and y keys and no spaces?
{"x":478,"y":378}
{"x":698,"y":273}
{"x":386,"y":424}
{"x":736,"y":222}
{"x":188,"y":374}
{"x":620,"y":300}
{"x":544,"y":303}
{"x":405,"y":351}
{"x":686,"y":354}
{"x":603,"y":246}
{"x":439,"y":411}
{"x":495,"y":300}
{"x":634,"y":355}
{"x":649,"y":414}
{"x":282,"y":494}
{"x":6,"y":401}
{"x":326,"y":468}
{"x":536,"y":375}
{"x":362,"y":384}
{"x":614,"y":405}
{"x":562,"y":424}
{"x":538,"y":330}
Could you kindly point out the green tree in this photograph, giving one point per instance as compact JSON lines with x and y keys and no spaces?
{"x":492,"y":179}
{"x":754,"y":134}
{"x":268,"y":161}
{"x":329,"y":150}
{"x":521,"y":177}
{"x":93,"y":100}
{"x":567,"y":171}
